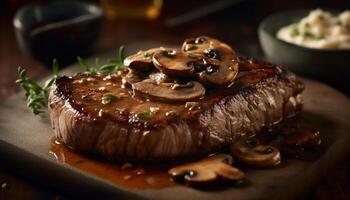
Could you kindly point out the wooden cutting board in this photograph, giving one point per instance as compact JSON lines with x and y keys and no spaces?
{"x":25,"y":143}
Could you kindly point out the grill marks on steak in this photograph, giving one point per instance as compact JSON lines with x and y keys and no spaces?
{"x":259,"y":97}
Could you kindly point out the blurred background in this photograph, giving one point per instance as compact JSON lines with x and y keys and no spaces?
{"x":128,"y":22}
{"x":131,"y":21}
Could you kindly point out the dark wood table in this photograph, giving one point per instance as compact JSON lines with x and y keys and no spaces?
{"x":236,"y":25}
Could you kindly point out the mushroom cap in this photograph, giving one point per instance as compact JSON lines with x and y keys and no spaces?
{"x":170,"y":92}
{"x":210,"y":71}
{"x":204,"y":43}
{"x":133,"y":76}
{"x":222,"y":61}
{"x":250,"y":152}
{"x":219,"y":73}
{"x":207,"y":171}
{"x":142,"y":60}
{"x":175,"y":63}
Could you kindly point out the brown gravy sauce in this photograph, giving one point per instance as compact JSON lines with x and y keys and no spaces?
{"x":292,"y":137}
{"x":135,"y":176}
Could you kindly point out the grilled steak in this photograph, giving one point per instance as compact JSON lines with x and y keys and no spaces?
{"x":106,"y":115}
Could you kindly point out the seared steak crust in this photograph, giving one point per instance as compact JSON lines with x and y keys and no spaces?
{"x":261,"y":95}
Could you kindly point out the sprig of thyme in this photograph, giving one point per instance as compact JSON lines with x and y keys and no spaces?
{"x":36,"y":95}
{"x":111,"y":66}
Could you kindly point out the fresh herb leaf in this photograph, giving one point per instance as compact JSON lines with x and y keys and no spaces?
{"x":107,"y":68}
{"x":36,"y":95}
{"x":83,"y":65}
{"x":307,"y":34}
{"x":112,"y":65}
{"x":121,"y":54}
{"x":146,"y":54}
{"x":295,"y":32}
{"x":144,"y":114}
{"x":97,"y":62}
{"x":55,"y":67}
{"x":107,"y":98}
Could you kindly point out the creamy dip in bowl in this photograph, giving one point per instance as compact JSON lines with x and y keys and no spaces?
{"x":320,"y":29}
{"x":314,"y":44}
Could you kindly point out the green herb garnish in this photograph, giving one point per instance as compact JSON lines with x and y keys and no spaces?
{"x":144,"y":114}
{"x":37,"y":95}
{"x":295,"y":32}
{"x":111,"y":66}
{"x":338,"y":22}
{"x":146,"y":54}
{"x":107,"y":98}
{"x":307,"y":34}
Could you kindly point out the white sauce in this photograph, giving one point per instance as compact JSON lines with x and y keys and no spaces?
{"x":319,"y":30}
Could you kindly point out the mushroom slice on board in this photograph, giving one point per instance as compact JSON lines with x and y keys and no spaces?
{"x":170,"y":92}
{"x":207,"y":171}
{"x":251,"y":153}
{"x":177,"y":64}
{"x":142,"y":61}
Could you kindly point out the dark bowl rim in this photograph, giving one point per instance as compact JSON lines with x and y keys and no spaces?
{"x":286,"y":15}
{"x":98,"y":13}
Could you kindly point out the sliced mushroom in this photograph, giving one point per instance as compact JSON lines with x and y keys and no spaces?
{"x":251,"y":153}
{"x":175,"y":63}
{"x":206,"y":171}
{"x":136,"y":76}
{"x":221,"y":61}
{"x":159,"y":77}
{"x":219,"y":73}
{"x":209,"y":46}
{"x":142,"y":61}
{"x":210,"y":71}
{"x":171,"y":92}
{"x":133,"y":77}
